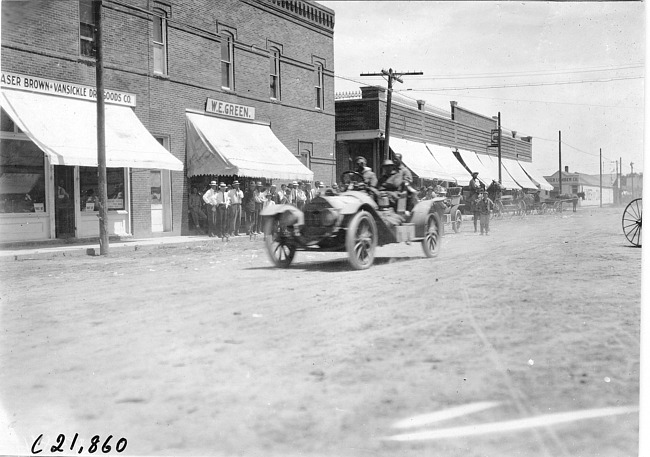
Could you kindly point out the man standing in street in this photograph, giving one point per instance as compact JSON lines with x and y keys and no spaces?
{"x":249,"y":207}
{"x":223,"y":202}
{"x":210,"y":199}
{"x":474,"y":189}
{"x":484,"y":206}
{"x":236,"y":198}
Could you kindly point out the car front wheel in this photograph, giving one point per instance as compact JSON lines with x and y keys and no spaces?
{"x":361,"y":240}
{"x":278,"y":245}
{"x":431,"y":240}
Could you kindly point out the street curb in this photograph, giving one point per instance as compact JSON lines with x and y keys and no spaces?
{"x":132,"y":246}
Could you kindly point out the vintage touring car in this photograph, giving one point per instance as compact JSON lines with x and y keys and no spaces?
{"x":356,"y":220}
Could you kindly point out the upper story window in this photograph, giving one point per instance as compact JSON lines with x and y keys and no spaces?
{"x":87,"y":35}
{"x":227,"y":63}
{"x":318,"y":85}
{"x":159,"y":41}
{"x":275,"y":74}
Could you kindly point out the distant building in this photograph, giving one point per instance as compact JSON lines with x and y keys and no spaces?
{"x":585,"y":185}
{"x":459,"y":140}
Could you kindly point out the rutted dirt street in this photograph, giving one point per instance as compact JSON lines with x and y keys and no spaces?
{"x":208,"y":350}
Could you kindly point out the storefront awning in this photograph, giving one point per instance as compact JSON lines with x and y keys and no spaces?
{"x":518,"y":174}
{"x":419,"y":160}
{"x":485,"y":173}
{"x":535,"y":175}
{"x":492,"y":163}
{"x":223,"y":147}
{"x":66,"y":130}
{"x":450,"y":163}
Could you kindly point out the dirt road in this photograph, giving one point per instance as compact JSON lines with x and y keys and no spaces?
{"x":211,"y":351}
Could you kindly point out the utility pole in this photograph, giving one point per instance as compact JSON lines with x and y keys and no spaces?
{"x":101,"y":132}
{"x":632,"y":176}
{"x":600,"y":161}
{"x":499,"y":147}
{"x":560,"y":156}
{"x":391,"y":75}
{"x":620,"y":179}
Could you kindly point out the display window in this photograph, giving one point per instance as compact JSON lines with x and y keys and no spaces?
{"x":89,"y":188}
{"x":22,"y":177}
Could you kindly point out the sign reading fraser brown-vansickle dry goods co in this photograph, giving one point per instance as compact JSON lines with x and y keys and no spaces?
{"x":229,"y":109}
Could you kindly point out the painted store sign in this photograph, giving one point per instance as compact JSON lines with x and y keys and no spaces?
{"x":49,"y":86}
{"x":229,"y":109}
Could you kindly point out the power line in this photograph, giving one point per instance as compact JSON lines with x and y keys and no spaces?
{"x":516,"y":74}
{"x":507,"y":86}
{"x":572,"y":147}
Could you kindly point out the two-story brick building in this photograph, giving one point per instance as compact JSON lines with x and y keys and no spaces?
{"x":434,"y":143}
{"x":195,"y":90}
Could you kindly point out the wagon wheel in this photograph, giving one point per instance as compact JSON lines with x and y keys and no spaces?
{"x":457,"y":222}
{"x":522,"y":209}
{"x":361,"y":240}
{"x":542,"y":208}
{"x":632,"y":221}
{"x":431,"y":241}
{"x":278,"y":246}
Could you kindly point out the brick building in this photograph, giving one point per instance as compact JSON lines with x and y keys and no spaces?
{"x":195,"y":90}
{"x":459,"y":140}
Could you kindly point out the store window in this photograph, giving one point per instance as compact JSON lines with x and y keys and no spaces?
{"x":227,"y":64}
{"x":89,"y":188}
{"x":159,"y":41}
{"x":87,"y":35}
{"x":318,"y":85}
{"x":275,"y":74}
{"x":22,"y":177}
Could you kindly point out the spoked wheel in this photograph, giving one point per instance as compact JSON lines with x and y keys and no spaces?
{"x":542,"y":209}
{"x":431,"y":241}
{"x":458,"y":221}
{"x":361,"y":240}
{"x":498,"y":210}
{"x":522,"y":209}
{"x":632,"y":218}
{"x":278,"y":245}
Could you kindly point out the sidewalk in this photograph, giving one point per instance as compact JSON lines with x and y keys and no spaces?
{"x":56,"y":248}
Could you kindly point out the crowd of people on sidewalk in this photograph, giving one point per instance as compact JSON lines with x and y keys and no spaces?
{"x":224,"y":210}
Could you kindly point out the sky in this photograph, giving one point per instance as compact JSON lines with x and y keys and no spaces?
{"x":578,"y":66}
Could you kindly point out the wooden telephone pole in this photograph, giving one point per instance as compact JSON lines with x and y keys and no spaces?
{"x":101,"y":133}
{"x":391,"y":75}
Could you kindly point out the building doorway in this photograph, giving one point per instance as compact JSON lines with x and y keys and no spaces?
{"x":64,"y":208}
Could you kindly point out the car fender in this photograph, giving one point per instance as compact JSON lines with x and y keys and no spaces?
{"x":288,"y":214}
{"x":422,"y":210}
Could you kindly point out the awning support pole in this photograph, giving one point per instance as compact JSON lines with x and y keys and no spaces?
{"x":101,"y":133}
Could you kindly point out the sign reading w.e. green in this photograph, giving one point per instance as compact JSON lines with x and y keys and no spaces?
{"x":229,"y":109}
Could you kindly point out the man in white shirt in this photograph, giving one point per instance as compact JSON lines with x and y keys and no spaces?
{"x":236,"y":196}
{"x":210,"y":199}
{"x":223,"y":202}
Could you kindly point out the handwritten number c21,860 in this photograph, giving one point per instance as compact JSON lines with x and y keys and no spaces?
{"x":120,"y":445}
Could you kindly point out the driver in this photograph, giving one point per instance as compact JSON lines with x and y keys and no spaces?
{"x":369,"y":177}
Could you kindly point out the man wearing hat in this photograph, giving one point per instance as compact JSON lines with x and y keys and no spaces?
{"x":369,"y":177}
{"x":260,"y":197}
{"x":236,"y":198}
{"x":301,"y":197}
{"x":249,"y":207}
{"x":210,"y":199}
{"x":223,"y":202}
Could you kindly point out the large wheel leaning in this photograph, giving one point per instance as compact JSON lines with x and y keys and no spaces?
{"x":457,"y":221}
{"x":279,"y":250}
{"x":632,"y":218}
{"x":432,"y":236}
{"x":361,"y":240}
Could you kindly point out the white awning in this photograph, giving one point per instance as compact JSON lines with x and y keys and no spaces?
{"x":418,"y":159}
{"x":224,"y":147}
{"x":493,"y":164}
{"x":66,"y":130}
{"x":485,"y":173}
{"x":450,"y":163}
{"x":535,"y":175}
{"x":518,"y":173}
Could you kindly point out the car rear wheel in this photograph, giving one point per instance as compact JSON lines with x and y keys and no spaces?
{"x":431,"y":241}
{"x":278,"y":247}
{"x":361,"y":240}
